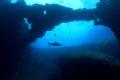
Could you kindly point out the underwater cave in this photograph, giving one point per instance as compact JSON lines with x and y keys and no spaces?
{"x":60,"y":40}
{"x":79,"y":32}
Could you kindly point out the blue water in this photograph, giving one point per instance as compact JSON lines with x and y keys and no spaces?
{"x":71,"y":35}
{"x":75,"y":33}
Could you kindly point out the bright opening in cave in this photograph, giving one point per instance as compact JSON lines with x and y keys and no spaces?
{"x":75,"y":33}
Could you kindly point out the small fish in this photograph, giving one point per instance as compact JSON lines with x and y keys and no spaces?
{"x":55,"y":34}
{"x":54,"y":44}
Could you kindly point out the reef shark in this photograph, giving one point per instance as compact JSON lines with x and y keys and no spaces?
{"x":54,"y":44}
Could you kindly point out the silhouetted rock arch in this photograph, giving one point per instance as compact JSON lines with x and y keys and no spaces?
{"x":11,"y":16}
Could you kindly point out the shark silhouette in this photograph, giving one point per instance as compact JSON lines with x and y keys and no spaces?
{"x":54,"y":44}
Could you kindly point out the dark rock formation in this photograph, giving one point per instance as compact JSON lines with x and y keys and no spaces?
{"x":11,"y":16}
{"x":108,"y":11}
{"x":91,"y":65}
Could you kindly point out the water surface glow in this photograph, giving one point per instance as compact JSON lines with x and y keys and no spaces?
{"x":74,"y":4}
